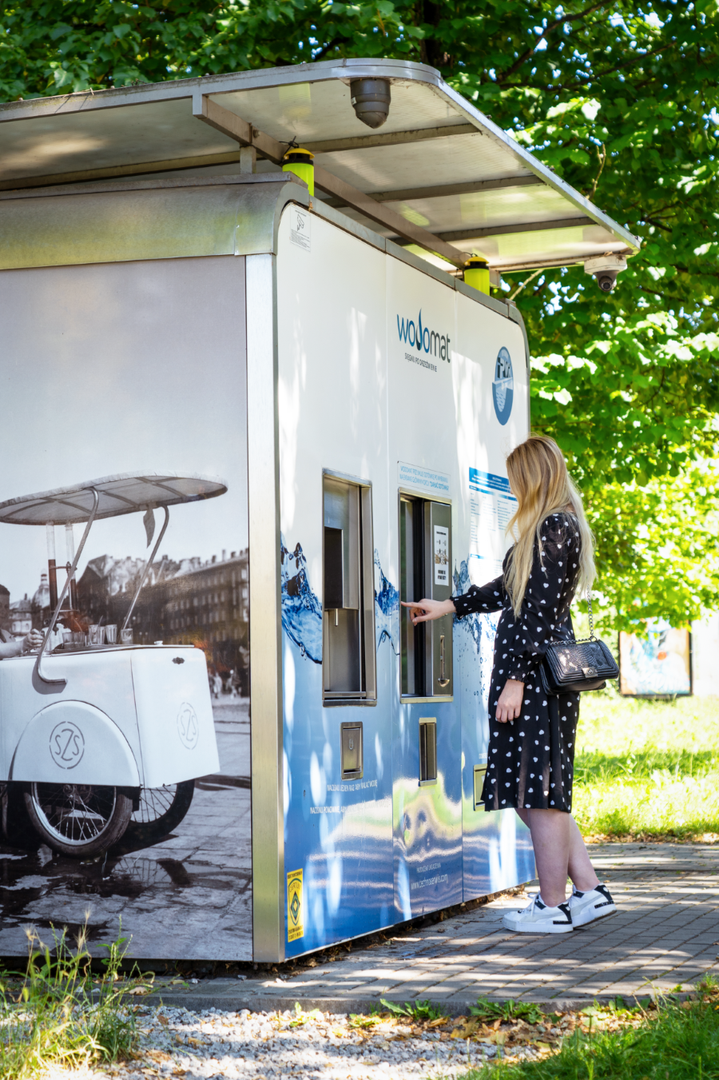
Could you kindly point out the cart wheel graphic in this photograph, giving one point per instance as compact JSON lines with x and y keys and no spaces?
{"x":160,"y":811}
{"x":78,"y":819}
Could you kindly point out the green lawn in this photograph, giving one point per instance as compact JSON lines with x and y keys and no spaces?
{"x":647,"y":769}
{"x":675,"y":1042}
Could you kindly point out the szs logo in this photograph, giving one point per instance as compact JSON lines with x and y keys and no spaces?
{"x":503,"y":386}
{"x":67,"y":745}
{"x":423,"y":339}
{"x":188,"y":726}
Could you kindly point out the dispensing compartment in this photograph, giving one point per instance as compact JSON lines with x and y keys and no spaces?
{"x":352,"y":756}
{"x":428,"y":751}
{"x":480,"y":771}
{"x":425,"y":530}
{"x":348,"y":653}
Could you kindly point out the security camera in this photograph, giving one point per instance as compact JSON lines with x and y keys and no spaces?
{"x":370,"y":100}
{"x":605,"y":269}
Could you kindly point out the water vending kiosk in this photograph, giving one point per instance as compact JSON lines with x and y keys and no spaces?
{"x":232,"y":737}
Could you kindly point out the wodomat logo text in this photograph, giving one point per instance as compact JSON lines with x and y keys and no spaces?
{"x":423,"y":339}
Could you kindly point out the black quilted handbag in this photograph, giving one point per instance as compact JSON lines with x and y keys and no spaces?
{"x":570,"y":667}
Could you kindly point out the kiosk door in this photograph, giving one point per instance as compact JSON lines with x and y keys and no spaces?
{"x":425,"y":572}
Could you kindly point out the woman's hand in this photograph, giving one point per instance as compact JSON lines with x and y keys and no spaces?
{"x":33,"y":640}
{"x":510,"y":701}
{"x":427,"y":610}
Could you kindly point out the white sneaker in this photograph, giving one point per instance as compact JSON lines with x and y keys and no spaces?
{"x":588,"y":906}
{"x":537,"y":918}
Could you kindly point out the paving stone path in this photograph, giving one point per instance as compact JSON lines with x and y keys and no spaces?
{"x":665,"y":936}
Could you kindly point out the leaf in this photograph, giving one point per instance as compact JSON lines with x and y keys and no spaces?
{"x":148,"y":520}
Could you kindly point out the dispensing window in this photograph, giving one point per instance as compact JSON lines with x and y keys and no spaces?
{"x":352,"y":761}
{"x":428,"y":751}
{"x":480,"y":771}
{"x":425,"y":530}
{"x":348,"y":654}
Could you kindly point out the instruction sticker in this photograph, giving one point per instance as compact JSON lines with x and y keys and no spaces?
{"x":491,"y":505}
{"x":441,"y":555}
{"x":295,"y":903}
{"x":300,"y":228}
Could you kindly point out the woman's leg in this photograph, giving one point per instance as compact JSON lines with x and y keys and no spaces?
{"x":560,"y":853}
{"x":551,"y":839}
{"x":580,"y":867}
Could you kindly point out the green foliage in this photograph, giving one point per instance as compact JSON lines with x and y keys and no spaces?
{"x":58,"y":1014}
{"x":680,"y":1040}
{"x":506,"y":1010}
{"x":657,"y":550}
{"x":647,"y":769}
{"x":416,"y":1010}
{"x":620,"y":100}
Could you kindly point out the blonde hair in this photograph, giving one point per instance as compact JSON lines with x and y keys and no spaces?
{"x":539,"y":479}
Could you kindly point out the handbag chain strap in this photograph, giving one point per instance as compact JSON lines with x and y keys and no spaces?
{"x":591,"y":616}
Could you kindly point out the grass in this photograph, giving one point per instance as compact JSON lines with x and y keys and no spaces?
{"x":58,"y":1014}
{"x":647,"y":769}
{"x":674,"y":1041}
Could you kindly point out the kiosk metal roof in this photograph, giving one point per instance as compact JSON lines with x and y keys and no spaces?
{"x":438,"y":174}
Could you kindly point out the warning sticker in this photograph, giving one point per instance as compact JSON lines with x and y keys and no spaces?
{"x":295,"y":915}
{"x":300,"y":228}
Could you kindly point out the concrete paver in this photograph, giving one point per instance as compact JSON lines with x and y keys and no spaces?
{"x":665,"y":934}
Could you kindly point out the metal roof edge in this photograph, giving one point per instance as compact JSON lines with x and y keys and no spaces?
{"x":321,"y":71}
{"x":537,"y":167}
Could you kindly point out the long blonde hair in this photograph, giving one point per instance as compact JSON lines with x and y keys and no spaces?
{"x":539,"y":479}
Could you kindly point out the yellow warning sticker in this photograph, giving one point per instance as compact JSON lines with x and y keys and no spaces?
{"x":295,"y":914}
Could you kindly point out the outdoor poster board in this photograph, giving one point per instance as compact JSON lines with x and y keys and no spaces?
{"x":655,"y":665}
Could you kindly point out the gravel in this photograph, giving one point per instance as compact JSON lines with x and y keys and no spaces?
{"x":177,"y":1042}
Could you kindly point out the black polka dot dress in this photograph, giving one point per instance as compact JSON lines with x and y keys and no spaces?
{"x":531,"y":760}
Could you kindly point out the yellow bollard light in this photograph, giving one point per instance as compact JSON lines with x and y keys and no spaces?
{"x":476,"y":274}
{"x":301,"y":163}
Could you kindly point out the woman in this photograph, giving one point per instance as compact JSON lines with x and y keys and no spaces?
{"x":532,"y":734}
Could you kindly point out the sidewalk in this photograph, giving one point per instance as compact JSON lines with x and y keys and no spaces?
{"x":664,"y":937}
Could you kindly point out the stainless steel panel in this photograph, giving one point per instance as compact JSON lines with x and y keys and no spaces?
{"x":425,"y":530}
{"x":268,"y":896}
{"x":348,"y":620}
{"x":141,"y":220}
{"x":438,"y":524}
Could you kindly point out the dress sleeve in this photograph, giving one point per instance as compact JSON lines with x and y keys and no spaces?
{"x":539,"y":613}
{"x":489,"y":597}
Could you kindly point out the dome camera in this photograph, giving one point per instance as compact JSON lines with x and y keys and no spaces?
{"x":370,"y":100}
{"x":605,"y":269}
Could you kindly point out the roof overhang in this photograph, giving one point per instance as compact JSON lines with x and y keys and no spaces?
{"x":438,"y":174}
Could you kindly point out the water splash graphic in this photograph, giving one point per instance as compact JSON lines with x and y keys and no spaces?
{"x":386,"y":599}
{"x":301,"y":610}
{"x":481,"y":629}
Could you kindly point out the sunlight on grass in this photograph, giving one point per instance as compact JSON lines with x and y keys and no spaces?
{"x":679,"y":1040}
{"x":59,"y":1014}
{"x":647,"y":769}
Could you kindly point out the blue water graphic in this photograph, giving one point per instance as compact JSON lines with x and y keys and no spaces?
{"x":386,"y":599}
{"x":301,"y":610}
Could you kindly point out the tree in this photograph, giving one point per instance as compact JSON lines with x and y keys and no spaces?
{"x":618,"y":99}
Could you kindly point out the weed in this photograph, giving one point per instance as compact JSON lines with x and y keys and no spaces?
{"x":678,"y":1040}
{"x":414,"y":1010}
{"x":507,"y":1010}
{"x":300,"y":1018}
{"x":58,"y":1014}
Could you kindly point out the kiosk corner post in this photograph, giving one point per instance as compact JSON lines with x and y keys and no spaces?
{"x":268,"y":893}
